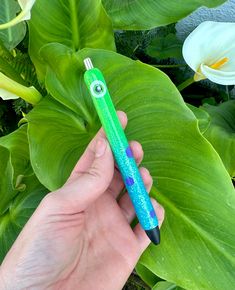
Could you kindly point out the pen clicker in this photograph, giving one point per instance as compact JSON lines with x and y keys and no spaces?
{"x":121,"y":151}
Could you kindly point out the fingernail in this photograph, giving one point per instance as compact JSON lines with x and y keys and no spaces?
{"x":154,"y":203}
{"x":147,"y":171}
{"x":100,"y":147}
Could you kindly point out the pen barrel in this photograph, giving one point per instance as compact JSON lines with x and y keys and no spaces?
{"x":121,"y":150}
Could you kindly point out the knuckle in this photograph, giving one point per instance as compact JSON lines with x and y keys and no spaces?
{"x":94,"y":172}
{"x":46,"y":200}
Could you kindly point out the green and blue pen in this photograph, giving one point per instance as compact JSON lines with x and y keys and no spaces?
{"x":121,"y":150}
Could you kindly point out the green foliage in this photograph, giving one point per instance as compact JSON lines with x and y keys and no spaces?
{"x":8,"y":121}
{"x":17,"y":145}
{"x":135,"y":283}
{"x":6,"y":182}
{"x":140,"y":15}
{"x":130,"y":42}
{"x":6,"y":65}
{"x":11,"y":37}
{"x":181,"y":142}
{"x":18,"y":67}
{"x":146,"y":275}
{"x":19,"y":211}
{"x":163,"y":285}
{"x":20,"y":190}
{"x":20,"y":107}
{"x":165,"y":47}
{"x":202,"y":117}
{"x":221,"y":132}
{"x":217,"y":125}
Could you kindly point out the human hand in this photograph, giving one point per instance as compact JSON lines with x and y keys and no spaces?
{"x":80,"y":237}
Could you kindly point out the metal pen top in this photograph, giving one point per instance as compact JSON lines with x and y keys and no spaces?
{"x":88,"y":63}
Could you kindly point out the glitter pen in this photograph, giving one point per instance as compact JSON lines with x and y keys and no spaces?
{"x":121,"y":150}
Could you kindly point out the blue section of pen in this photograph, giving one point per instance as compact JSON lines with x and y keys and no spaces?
{"x":133,"y":180}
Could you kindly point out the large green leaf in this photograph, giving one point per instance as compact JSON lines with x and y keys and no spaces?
{"x":7,"y":191}
{"x":53,"y":158}
{"x":163,"y":47}
{"x":164,"y":285}
{"x":75,"y":23}
{"x":17,"y":144}
{"x":198,"y":241}
{"x":20,"y":190}
{"x":138,"y":14}
{"x":146,"y":275}
{"x":62,"y":78}
{"x":21,"y":208}
{"x":221,"y":132}
{"x":14,"y":164}
{"x":13,"y":35}
{"x":202,"y":116}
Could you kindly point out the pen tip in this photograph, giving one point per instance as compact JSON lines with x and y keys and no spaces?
{"x":154,"y":235}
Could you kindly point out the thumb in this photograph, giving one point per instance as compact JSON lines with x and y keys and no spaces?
{"x":83,"y":189}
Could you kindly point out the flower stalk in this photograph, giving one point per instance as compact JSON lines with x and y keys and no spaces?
{"x":25,"y":14}
{"x":10,"y":89}
{"x":185,"y":84}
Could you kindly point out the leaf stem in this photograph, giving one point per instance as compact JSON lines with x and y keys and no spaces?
{"x":228,"y":93}
{"x":15,"y":20}
{"x":74,"y":24}
{"x":185,"y":84}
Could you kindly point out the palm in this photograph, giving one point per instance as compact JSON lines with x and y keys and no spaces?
{"x":100,"y":243}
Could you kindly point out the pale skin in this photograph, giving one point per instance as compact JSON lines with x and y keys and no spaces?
{"x":80,"y":237}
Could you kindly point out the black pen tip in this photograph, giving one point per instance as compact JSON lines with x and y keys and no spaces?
{"x":154,"y":235}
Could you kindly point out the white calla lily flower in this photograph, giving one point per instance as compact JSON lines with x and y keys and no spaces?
{"x":25,"y":14}
{"x":210,"y":51}
{"x":6,"y":95}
